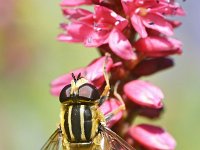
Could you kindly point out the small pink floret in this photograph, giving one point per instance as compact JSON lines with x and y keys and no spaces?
{"x":144,"y":93}
{"x":152,"y":137}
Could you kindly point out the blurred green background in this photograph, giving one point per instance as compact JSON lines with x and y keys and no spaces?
{"x":30,"y":57}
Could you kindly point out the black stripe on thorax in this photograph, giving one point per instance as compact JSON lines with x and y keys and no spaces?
{"x":87,"y":122}
{"x":66,"y":123}
{"x":76,"y":123}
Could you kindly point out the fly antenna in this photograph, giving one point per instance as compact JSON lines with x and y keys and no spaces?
{"x":73,"y":76}
{"x":79,"y":76}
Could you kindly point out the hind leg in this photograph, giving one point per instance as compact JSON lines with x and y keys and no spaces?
{"x":120,"y":108}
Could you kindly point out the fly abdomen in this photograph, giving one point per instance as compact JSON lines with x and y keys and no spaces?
{"x":80,"y":123}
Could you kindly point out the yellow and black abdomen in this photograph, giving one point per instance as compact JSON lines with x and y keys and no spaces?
{"x":80,"y":122}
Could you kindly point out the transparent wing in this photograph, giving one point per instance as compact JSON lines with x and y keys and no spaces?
{"x":114,"y":141}
{"x":54,"y":142}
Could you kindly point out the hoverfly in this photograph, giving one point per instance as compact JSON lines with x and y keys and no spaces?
{"x":82,"y":124}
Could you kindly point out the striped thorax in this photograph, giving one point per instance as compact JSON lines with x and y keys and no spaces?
{"x":80,"y":122}
{"x":80,"y":115}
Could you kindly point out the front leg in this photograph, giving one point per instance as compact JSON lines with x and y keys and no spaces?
{"x":104,"y":95}
{"x":106,"y":90}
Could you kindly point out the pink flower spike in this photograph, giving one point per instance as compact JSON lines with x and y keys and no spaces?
{"x":152,"y":137}
{"x":75,"y":2}
{"x":120,"y":45}
{"x":108,"y":106}
{"x":155,"y":46}
{"x":144,"y":94}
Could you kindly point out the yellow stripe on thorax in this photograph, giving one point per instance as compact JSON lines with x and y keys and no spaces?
{"x":70,"y":123}
{"x":97,"y":117}
{"x":82,"y":109}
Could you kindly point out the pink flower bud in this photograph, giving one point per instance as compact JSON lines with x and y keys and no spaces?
{"x":144,"y":94}
{"x":152,"y":137}
{"x":151,"y":113}
{"x":150,"y":66}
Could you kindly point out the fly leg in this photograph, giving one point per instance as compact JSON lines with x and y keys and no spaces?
{"x":120,"y":108}
{"x":106,"y":91}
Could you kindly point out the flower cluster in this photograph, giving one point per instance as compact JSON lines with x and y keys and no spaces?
{"x":136,"y":35}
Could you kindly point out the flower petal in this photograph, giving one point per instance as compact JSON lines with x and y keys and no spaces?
{"x":158,"y":23}
{"x":75,"y":2}
{"x":152,"y":137}
{"x":144,"y":94}
{"x":109,"y":17}
{"x":167,"y":8}
{"x":138,"y":25}
{"x":180,"y":11}
{"x":68,"y":38}
{"x":174,"y":23}
{"x":76,"y":32}
{"x":155,"y":46}
{"x":120,"y":45}
{"x":75,"y":13}
{"x":96,"y":38}
{"x":108,"y":106}
{"x":128,"y":6}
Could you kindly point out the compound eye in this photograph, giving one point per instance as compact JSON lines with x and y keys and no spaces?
{"x":89,"y":92}
{"x":65,"y":93}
